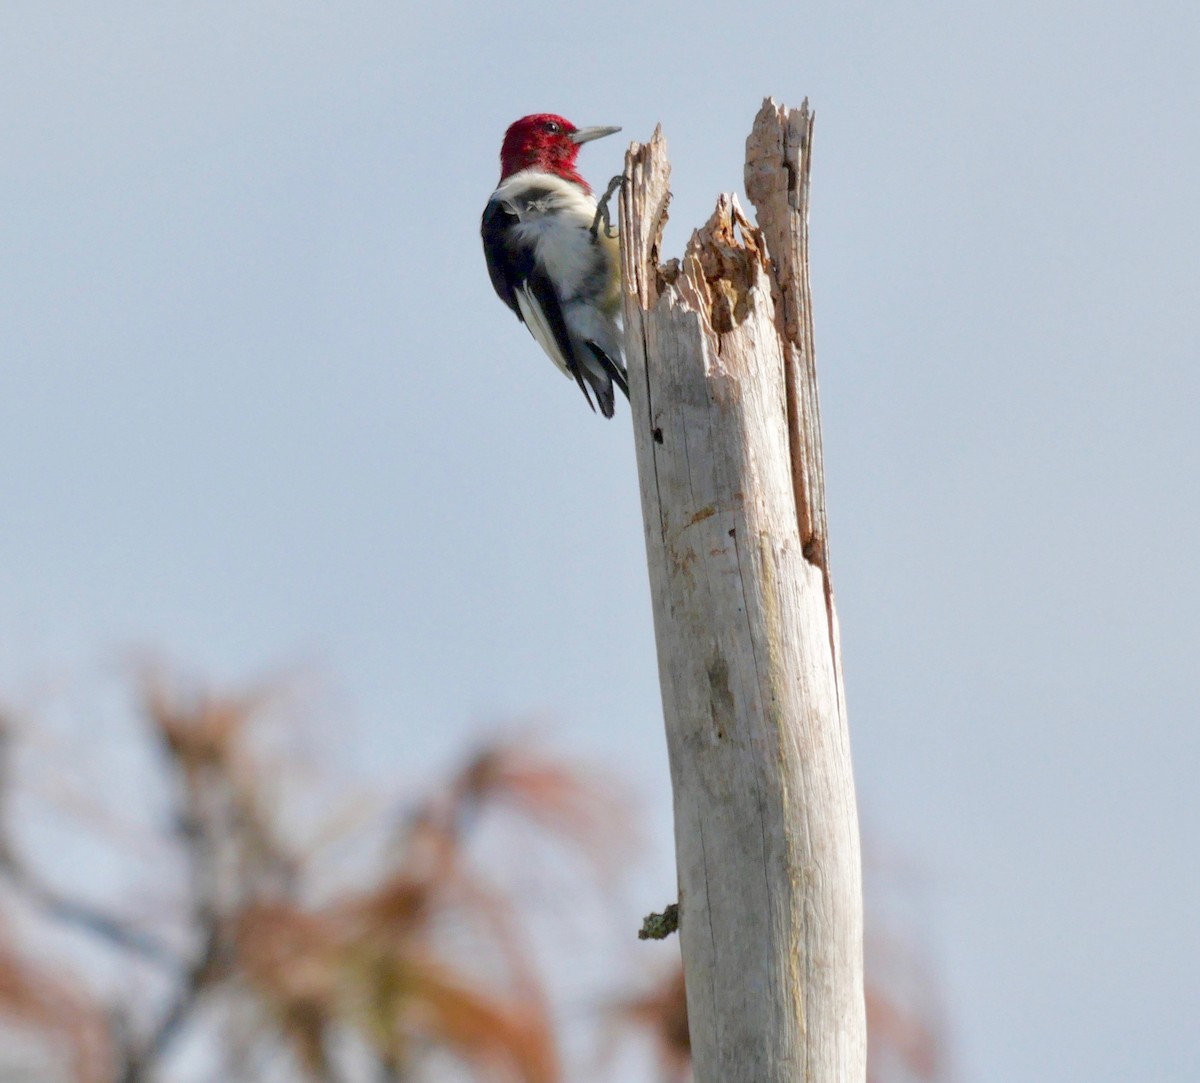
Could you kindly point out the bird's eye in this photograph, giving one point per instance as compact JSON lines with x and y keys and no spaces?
{"x":553,"y":127}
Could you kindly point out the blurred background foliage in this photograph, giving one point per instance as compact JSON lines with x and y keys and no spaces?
{"x":260,"y":924}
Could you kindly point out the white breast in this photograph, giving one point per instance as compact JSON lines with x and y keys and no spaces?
{"x":555,"y":218}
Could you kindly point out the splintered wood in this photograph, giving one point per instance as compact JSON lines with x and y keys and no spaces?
{"x":724,"y":401}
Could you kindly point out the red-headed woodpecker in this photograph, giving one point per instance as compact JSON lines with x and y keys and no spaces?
{"x":550,"y":261}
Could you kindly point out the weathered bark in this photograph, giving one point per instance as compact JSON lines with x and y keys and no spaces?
{"x":724,"y":406}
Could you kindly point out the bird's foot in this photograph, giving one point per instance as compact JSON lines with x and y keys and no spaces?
{"x":602,"y":214}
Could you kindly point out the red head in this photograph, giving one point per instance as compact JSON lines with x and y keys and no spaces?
{"x":546,"y":142}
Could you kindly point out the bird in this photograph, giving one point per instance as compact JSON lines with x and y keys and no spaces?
{"x":549,"y":259}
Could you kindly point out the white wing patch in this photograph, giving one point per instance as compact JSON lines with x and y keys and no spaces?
{"x":539,"y":327}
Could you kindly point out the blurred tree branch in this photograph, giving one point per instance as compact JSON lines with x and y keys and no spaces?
{"x":51,"y":903}
{"x":422,"y":958}
{"x":362,"y":980}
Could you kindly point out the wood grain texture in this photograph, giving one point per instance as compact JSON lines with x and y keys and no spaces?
{"x":723,"y":393}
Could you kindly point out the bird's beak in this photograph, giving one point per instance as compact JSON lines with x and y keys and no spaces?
{"x":586,"y":135}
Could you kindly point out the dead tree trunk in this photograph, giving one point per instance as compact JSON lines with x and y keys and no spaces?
{"x":724,"y":401}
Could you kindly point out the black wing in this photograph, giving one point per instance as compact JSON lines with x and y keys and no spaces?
{"x":522,"y":284}
{"x":506,"y":267}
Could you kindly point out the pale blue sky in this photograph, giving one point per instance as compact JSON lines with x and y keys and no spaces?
{"x":259,"y":406}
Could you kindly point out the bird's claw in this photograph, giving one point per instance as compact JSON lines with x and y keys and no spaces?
{"x":602,"y":214}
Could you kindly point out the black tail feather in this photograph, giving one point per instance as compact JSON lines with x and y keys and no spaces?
{"x":614,"y":371}
{"x":583,"y":386}
{"x":602,"y":387}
